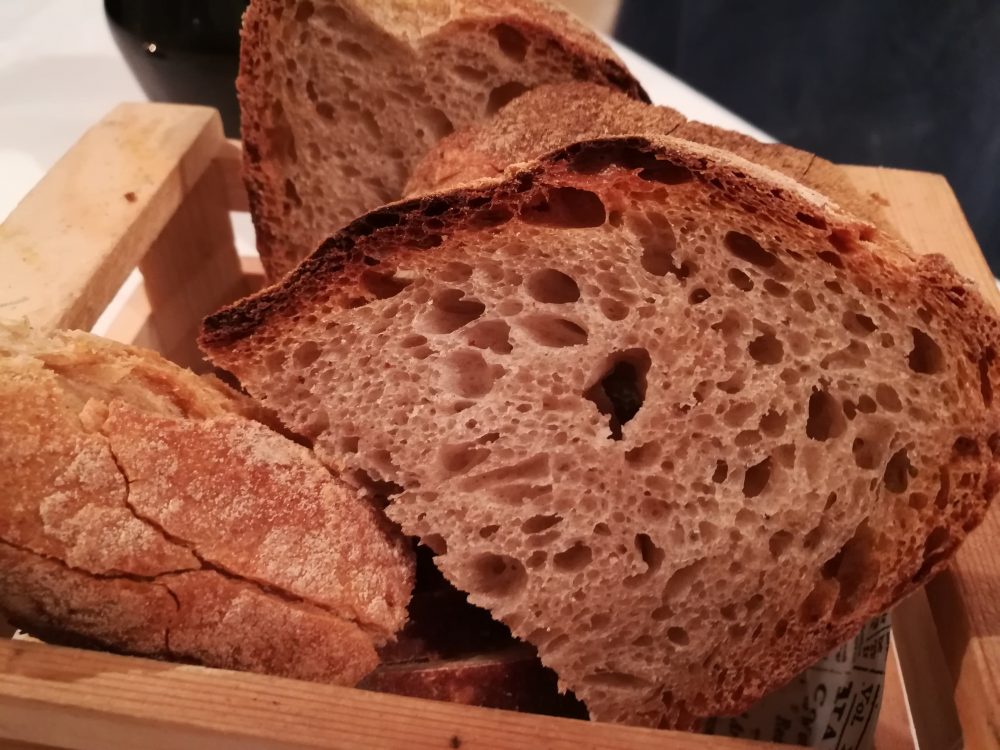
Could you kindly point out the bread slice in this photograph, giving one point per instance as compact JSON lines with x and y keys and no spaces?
{"x":340,"y":98}
{"x":145,"y":512}
{"x":554,"y":116}
{"x":675,"y":419}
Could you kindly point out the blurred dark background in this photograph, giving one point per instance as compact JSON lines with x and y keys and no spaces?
{"x":912,"y":83}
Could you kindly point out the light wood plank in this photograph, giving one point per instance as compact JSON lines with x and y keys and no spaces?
{"x":964,"y":600}
{"x":893,"y":729}
{"x":68,"y":246}
{"x":88,"y":701}
{"x":191,"y":270}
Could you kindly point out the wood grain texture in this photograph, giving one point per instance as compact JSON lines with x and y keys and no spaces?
{"x":85,"y":700}
{"x":192,"y":269}
{"x":965,"y":599}
{"x":68,"y":246}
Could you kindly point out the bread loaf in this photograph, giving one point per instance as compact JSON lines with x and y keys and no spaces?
{"x":340,"y":98}
{"x":146,"y":512}
{"x":677,"y":420}
{"x":556,"y":115}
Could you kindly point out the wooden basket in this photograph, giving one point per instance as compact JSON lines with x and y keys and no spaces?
{"x":153,"y":186}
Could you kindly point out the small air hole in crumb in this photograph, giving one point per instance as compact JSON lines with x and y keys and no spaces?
{"x":779,"y":542}
{"x":540,"y":523}
{"x":678,"y":636}
{"x":756,"y":478}
{"x":552,"y":287}
{"x":382,"y":284}
{"x":766,"y":349}
{"x":826,"y":417}
{"x":926,"y":356}
{"x":574,"y":559}
{"x":740,"y":280}
{"x":496,"y":575}
{"x":553,"y":331}
{"x":698,"y":296}
{"x":502,"y":95}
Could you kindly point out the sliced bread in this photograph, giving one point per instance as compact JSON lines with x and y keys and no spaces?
{"x":678,"y":421}
{"x":340,"y":98}
{"x":145,"y":511}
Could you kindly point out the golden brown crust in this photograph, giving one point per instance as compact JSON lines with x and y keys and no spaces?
{"x":145,"y":513}
{"x":308,"y":172}
{"x":878,"y":462}
{"x":554,"y":116}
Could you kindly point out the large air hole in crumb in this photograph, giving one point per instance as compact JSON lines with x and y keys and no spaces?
{"x":565,"y":208}
{"x":552,"y":287}
{"x":550,"y":330}
{"x":496,"y":575}
{"x":855,"y":568}
{"x":621,"y":388}
{"x":756,"y":478}
{"x":936,"y":548}
{"x":926,"y":356}
{"x":468,"y":374}
{"x":450,"y":310}
{"x":746,"y":248}
{"x":574,"y":559}
{"x":382,"y":284}
{"x":897,"y":472}
{"x":504,"y":94}
{"x":826,"y":418}
{"x":866,"y":453}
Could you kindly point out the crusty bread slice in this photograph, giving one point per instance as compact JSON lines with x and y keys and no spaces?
{"x":674,"y":418}
{"x":340,"y":98}
{"x":556,"y":115}
{"x":144,"y":511}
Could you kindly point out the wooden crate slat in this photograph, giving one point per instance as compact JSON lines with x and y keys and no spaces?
{"x":88,"y":700}
{"x":68,"y":246}
{"x":964,"y":600}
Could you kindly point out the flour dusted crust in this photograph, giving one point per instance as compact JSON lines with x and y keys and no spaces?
{"x":677,"y":420}
{"x":145,"y":512}
{"x":340,"y":98}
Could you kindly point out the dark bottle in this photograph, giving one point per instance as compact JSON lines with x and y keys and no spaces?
{"x":184,"y":51}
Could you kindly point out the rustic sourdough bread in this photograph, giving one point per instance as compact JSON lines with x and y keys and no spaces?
{"x":340,"y":98}
{"x":556,"y":115}
{"x":675,"y":419}
{"x":145,"y":512}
